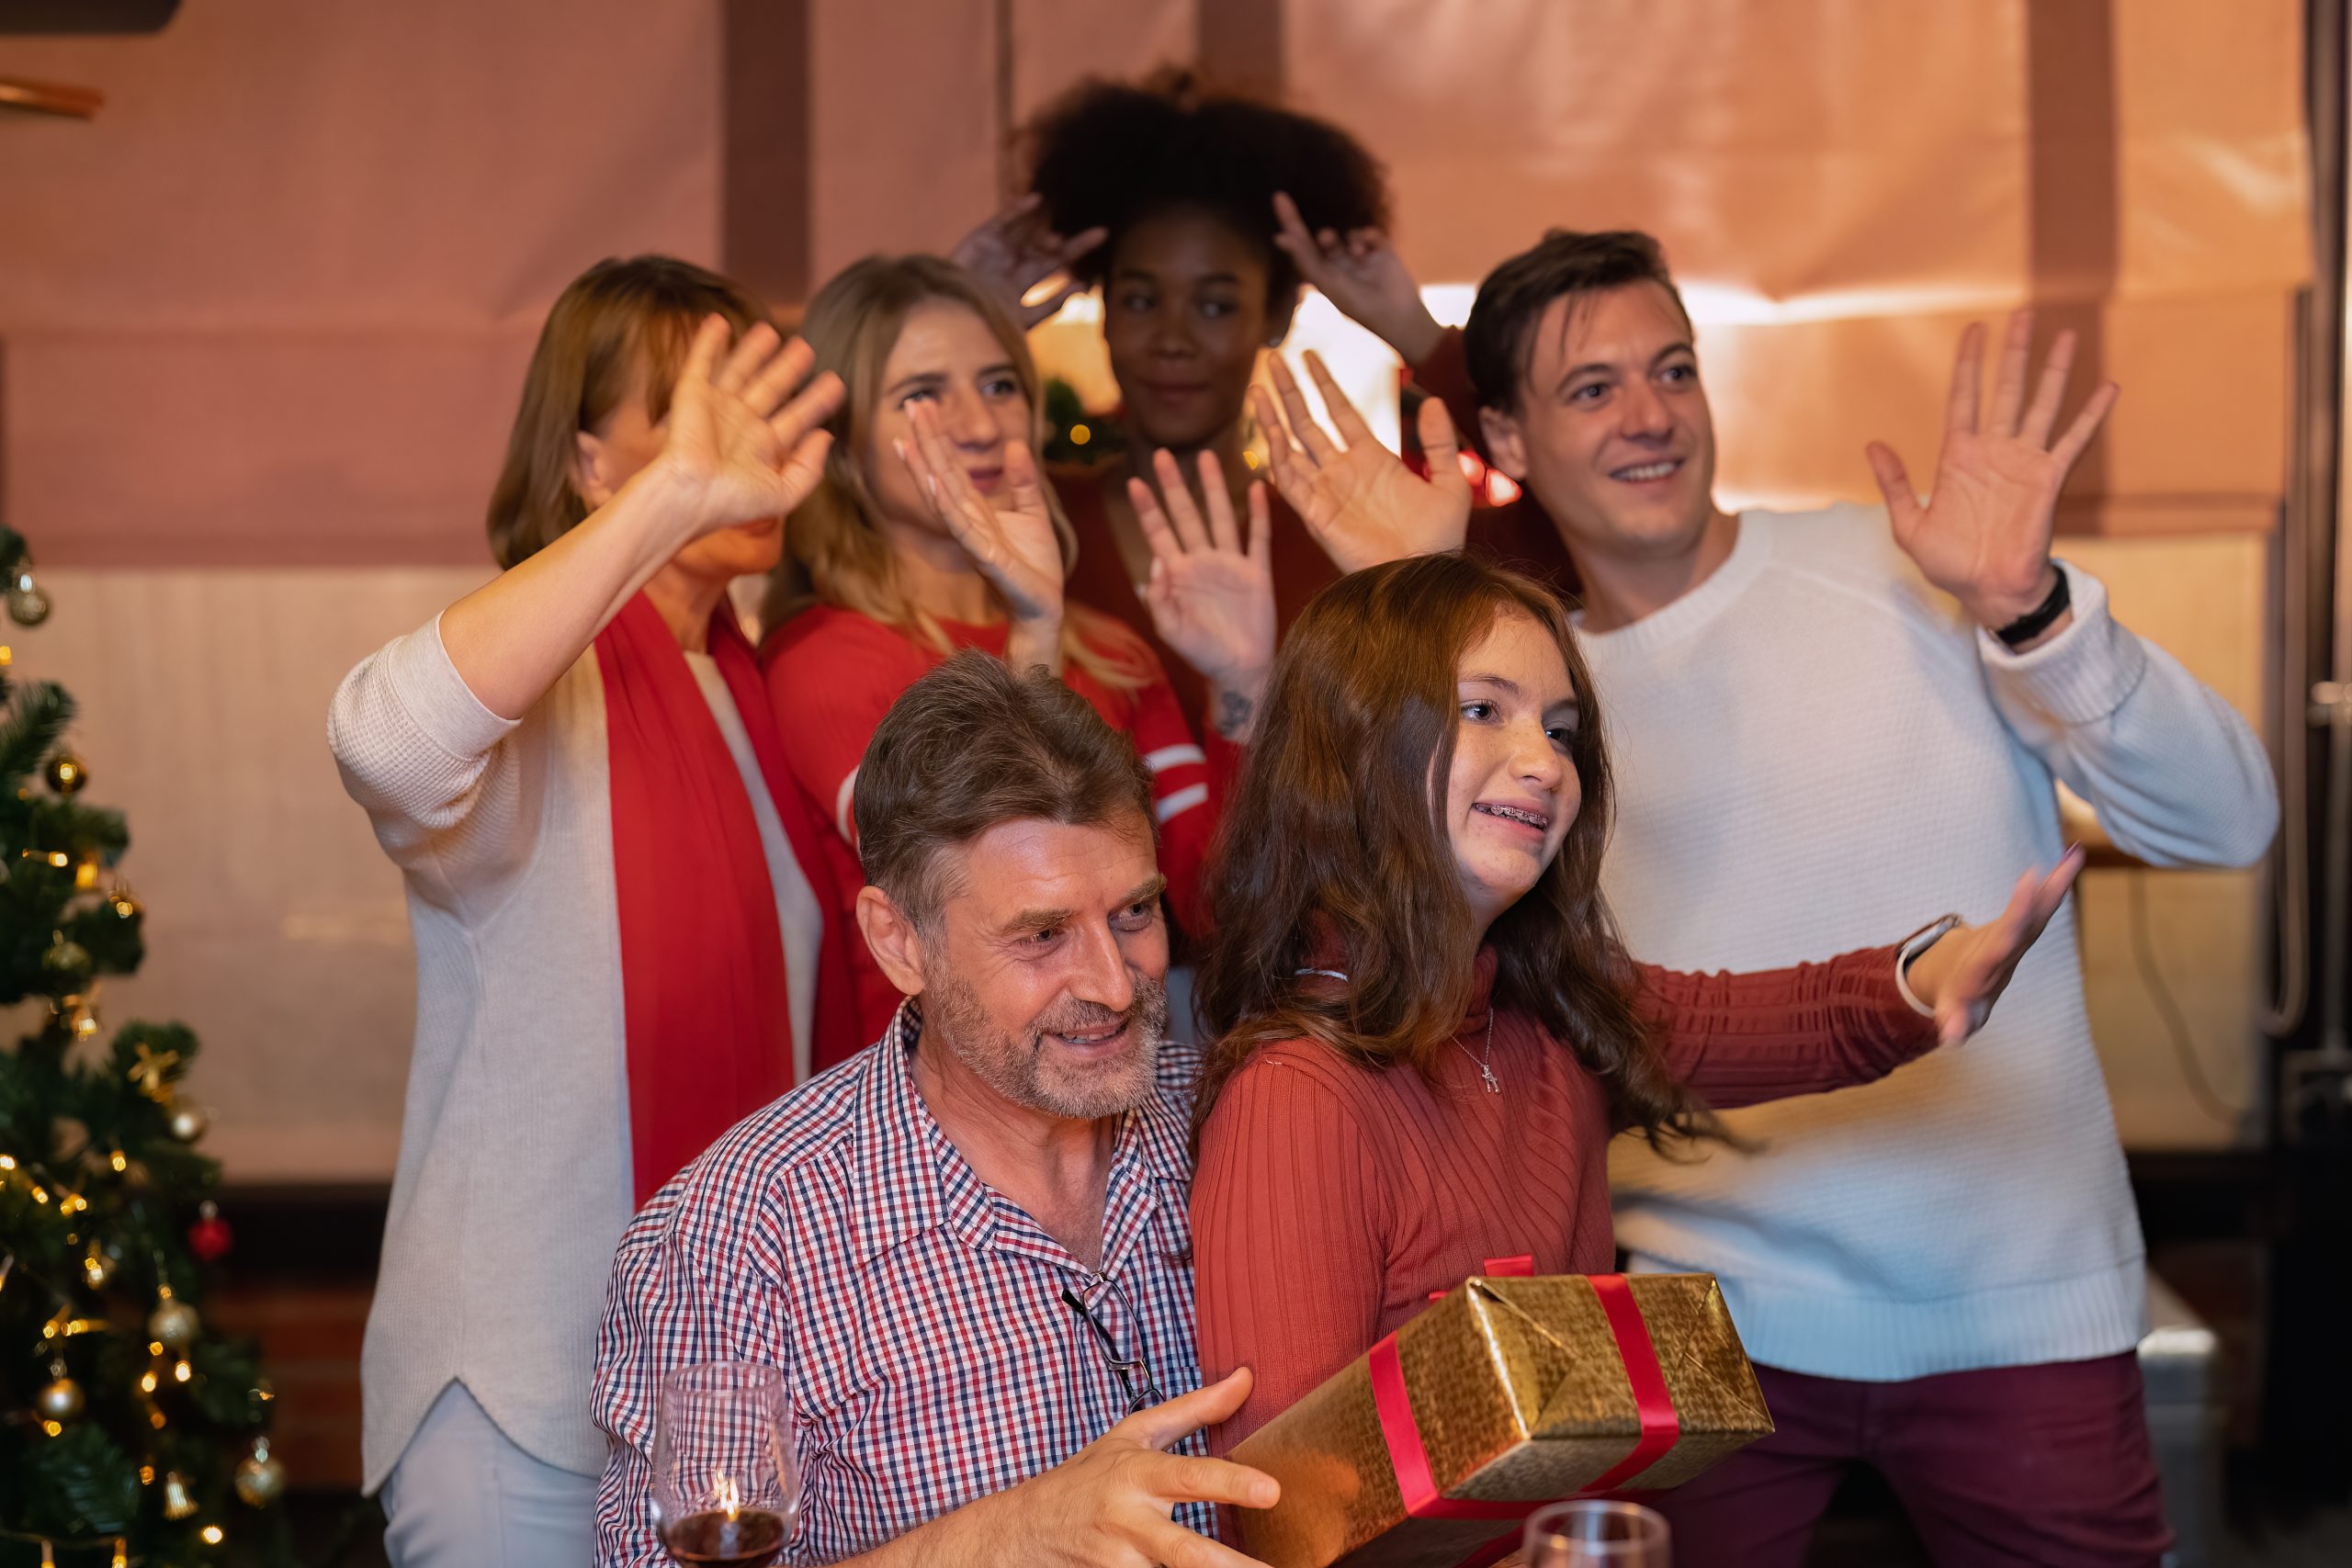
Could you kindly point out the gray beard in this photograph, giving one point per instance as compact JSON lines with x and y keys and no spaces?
{"x":1026,"y":1070}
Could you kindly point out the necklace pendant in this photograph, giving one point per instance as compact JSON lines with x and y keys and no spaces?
{"x":1493,"y":1084}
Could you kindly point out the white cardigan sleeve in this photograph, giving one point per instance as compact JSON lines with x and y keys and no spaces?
{"x":434,"y":768}
{"x":2177,"y":776}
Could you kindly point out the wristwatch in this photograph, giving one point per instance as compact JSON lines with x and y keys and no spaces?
{"x":2036,"y":621}
{"x":1917,"y":942}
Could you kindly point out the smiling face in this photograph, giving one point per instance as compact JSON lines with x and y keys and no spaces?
{"x":1512,"y":791}
{"x":1186,"y":310}
{"x":1612,"y":431}
{"x":945,"y":355}
{"x":1044,"y":973}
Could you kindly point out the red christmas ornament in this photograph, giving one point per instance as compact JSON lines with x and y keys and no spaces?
{"x":209,"y":1237}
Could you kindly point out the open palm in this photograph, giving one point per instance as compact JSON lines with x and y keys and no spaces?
{"x":743,"y":456}
{"x":1359,"y":499}
{"x":1012,"y":539}
{"x":1211,"y":594}
{"x":1982,"y":536}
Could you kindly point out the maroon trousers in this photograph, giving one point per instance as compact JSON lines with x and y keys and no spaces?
{"x":2045,"y":1465}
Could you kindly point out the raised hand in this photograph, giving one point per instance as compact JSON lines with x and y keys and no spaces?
{"x":1982,"y":536}
{"x":1362,"y":275}
{"x":1011,"y":540}
{"x":1360,"y":500}
{"x":1965,"y":973}
{"x":1013,"y":252}
{"x":739,"y":451}
{"x":1211,"y":593}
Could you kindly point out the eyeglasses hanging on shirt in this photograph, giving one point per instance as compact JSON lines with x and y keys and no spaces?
{"x":1136,"y":1381}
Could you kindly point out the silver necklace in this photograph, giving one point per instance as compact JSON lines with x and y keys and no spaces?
{"x":1486,"y":1063}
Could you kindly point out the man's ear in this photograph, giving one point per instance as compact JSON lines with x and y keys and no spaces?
{"x":892,"y":939}
{"x":590,"y":470}
{"x":1506,"y":442}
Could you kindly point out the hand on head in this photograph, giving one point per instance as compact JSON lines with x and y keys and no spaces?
{"x":743,"y":451}
{"x":1358,"y":498}
{"x":1362,"y":273}
{"x":1984,"y":535}
{"x":1015,"y":255}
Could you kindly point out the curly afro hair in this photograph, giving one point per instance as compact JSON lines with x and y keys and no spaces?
{"x":1112,"y":154}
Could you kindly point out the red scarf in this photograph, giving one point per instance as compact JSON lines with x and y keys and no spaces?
{"x":704,"y":999}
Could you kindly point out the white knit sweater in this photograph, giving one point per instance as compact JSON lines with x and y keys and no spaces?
{"x":1813,"y":750}
{"x":512,"y":1186}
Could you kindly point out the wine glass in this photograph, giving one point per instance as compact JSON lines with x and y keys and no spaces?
{"x":726,"y":1484}
{"x":1592,"y":1533}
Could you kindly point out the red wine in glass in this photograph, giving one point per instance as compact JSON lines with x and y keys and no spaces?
{"x":726,"y":1482}
{"x":749,"y":1538}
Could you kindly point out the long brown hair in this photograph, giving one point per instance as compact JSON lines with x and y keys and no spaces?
{"x":1334,"y":854}
{"x":834,"y":554}
{"x":617,"y":315}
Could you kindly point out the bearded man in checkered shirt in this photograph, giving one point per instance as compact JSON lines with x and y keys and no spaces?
{"x":967,"y":1248}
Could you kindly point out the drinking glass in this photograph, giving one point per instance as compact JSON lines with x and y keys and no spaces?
{"x":726,"y":1483}
{"x":1593,"y":1533}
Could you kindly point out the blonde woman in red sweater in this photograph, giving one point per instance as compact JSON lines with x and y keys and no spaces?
{"x":1427,"y":1031}
{"x":931,"y":531}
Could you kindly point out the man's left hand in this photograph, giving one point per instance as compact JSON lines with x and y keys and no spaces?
{"x":1982,"y":536}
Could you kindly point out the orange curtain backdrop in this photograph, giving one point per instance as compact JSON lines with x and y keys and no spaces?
{"x":272,"y":306}
{"x":1842,"y":184}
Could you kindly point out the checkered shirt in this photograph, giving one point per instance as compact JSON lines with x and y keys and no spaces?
{"x":916,"y":1313}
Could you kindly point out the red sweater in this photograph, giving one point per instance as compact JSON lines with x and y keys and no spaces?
{"x":1516,"y":535}
{"x":1331,"y":1201}
{"x":832,"y":673}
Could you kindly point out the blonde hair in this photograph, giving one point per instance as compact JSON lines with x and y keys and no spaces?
{"x":834,"y":553}
{"x":615,"y":317}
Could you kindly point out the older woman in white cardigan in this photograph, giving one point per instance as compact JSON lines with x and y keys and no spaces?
{"x":619,"y":948}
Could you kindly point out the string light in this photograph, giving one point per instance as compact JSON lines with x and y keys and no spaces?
{"x":147,"y":1380}
{"x":118,"y":1160}
{"x":182,"y":1372}
{"x":121,"y":1552}
{"x":213,"y":1535}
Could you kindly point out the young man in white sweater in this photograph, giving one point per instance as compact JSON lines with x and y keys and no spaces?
{"x":1814,"y":720}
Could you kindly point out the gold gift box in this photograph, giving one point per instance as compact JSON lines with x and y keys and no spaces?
{"x":1519,"y":1393}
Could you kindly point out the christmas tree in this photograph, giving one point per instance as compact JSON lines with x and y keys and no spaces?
{"x":130,"y":1432}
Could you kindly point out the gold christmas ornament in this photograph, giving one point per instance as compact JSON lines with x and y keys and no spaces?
{"x":151,"y":1070}
{"x":261,"y":1479}
{"x":187,"y":1122}
{"x":173,"y":1323}
{"x":28,"y":605}
{"x":78,"y":1013}
{"x":65,"y":774}
{"x":178,"y":1502}
{"x":60,"y":1399}
{"x":65,"y":956}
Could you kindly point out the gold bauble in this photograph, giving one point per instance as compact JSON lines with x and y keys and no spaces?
{"x":178,"y":1502}
{"x":187,"y":1122}
{"x":59,"y":1399}
{"x":65,"y":956}
{"x":261,"y":1479}
{"x":174,"y":1324}
{"x":66,"y":773}
{"x":28,"y":605}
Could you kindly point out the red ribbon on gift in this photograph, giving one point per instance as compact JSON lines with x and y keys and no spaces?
{"x":1410,"y":1459}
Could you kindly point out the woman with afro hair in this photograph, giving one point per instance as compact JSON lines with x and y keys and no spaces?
{"x":1200,"y":215}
